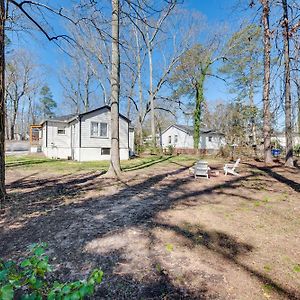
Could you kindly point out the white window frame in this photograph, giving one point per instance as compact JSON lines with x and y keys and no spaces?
{"x":98,"y":134}
{"x":170,"y":139}
{"x":210,"y":138}
{"x":103,"y":136}
{"x":92,"y":132}
{"x":175,"y":139}
{"x":60,"y":128}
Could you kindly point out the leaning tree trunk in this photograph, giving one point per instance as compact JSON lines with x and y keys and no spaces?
{"x":289,"y":162}
{"x":2,"y":101}
{"x":115,"y":168}
{"x":266,"y":86}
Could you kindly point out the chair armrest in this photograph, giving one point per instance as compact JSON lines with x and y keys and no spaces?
{"x":229,"y":166}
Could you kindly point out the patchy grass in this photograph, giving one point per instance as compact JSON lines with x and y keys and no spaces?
{"x":57,"y":166}
{"x":159,"y":233}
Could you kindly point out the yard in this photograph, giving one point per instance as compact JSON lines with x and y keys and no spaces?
{"x":159,"y":233}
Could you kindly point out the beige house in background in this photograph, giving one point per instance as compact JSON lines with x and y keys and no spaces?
{"x":86,"y":136}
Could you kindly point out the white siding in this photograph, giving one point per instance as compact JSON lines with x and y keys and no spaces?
{"x":97,"y":142}
{"x":131,"y":140}
{"x":280,"y":139}
{"x":68,"y":145}
{"x":187,"y":141}
{"x":90,"y":154}
{"x":184,"y":140}
{"x":58,"y":140}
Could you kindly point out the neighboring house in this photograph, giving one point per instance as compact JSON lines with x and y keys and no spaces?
{"x":86,"y":136}
{"x":278,"y":138}
{"x":181,"y":137}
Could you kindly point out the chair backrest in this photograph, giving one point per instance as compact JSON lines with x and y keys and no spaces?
{"x":201,"y":165}
{"x":236,"y":163}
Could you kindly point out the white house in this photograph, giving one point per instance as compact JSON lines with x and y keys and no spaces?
{"x":181,"y":137}
{"x":86,"y":136}
{"x":278,"y":138}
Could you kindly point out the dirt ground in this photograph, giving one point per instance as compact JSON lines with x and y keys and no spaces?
{"x":161,"y":234}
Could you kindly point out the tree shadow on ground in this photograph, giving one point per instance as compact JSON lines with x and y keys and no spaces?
{"x":68,"y":227}
{"x":28,"y":162}
{"x":270,"y":171}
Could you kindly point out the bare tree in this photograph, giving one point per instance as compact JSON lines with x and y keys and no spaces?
{"x":2,"y":100}
{"x":149,"y":35}
{"x":78,"y":82}
{"x":36,"y":12}
{"x":287,"y":91}
{"x":19,"y":76}
{"x":115,"y":167}
{"x":266,"y":83}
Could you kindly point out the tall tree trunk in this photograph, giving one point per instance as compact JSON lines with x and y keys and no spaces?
{"x":289,"y":162}
{"x":2,"y":101}
{"x":253,"y":110}
{"x":151,"y":97}
{"x":266,"y":88}
{"x":6,"y":119}
{"x":115,"y":168}
{"x":139,"y":76}
{"x":298,"y":103}
{"x":197,"y":111}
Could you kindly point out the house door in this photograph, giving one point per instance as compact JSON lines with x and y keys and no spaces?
{"x":73,"y":141}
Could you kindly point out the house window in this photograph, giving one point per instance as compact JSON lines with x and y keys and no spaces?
{"x":175,"y":139}
{"x":105,"y":151}
{"x":98,"y":129}
{"x":94,"y":129}
{"x":170,"y":139}
{"x":61,"y":131}
{"x":103,"y":129}
{"x":210,"y":138}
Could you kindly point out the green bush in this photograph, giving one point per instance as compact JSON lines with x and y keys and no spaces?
{"x":297,"y":149}
{"x":27,"y":280}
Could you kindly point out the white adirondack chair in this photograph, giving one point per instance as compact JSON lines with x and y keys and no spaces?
{"x":201,"y":168}
{"x":230,"y":168}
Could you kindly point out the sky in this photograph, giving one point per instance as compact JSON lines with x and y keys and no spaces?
{"x":217,"y":12}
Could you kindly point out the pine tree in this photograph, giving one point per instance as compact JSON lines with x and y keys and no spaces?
{"x":47,"y":103}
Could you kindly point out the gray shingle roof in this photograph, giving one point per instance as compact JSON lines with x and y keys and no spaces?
{"x":70,"y":117}
{"x":190,"y":129}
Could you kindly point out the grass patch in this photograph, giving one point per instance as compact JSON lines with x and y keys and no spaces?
{"x":39,"y":163}
{"x":296,"y":268}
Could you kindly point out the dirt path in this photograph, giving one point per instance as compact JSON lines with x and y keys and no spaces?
{"x":160,"y":234}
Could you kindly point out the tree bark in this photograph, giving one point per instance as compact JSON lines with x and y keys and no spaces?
{"x":253,"y":110}
{"x":266,"y":85}
{"x":298,"y":103}
{"x":115,"y":168}
{"x":289,"y":162}
{"x":2,"y":101}
{"x":140,"y":113}
{"x":197,"y":112}
{"x":151,"y":98}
